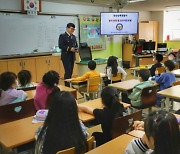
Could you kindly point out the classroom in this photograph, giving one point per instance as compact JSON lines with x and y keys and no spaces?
{"x":89,"y":76}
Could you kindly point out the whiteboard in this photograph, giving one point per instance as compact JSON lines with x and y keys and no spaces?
{"x":21,"y":34}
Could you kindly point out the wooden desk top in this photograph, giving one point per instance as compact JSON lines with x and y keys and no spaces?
{"x":115,"y":146}
{"x":18,"y":132}
{"x":85,"y":117}
{"x":125,"y":85}
{"x":31,"y":93}
{"x":137,"y":133}
{"x":176,"y":73}
{"x":172,"y":92}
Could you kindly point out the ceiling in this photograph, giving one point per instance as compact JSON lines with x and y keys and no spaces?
{"x":148,"y":5}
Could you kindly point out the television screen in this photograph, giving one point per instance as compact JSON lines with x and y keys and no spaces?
{"x":148,"y":45}
{"x":119,"y":23}
{"x":162,"y":45}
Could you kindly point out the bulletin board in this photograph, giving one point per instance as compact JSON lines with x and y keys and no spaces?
{"x":90,"y":32}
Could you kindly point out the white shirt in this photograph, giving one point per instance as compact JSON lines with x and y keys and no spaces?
{"x":120,"y":70}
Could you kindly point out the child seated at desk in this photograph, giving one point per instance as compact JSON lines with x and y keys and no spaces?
{"x":112,"y":109}
{"x":166,"y":79}
{"x":8,"y":92}
{"x":49,"y":84}
{"x":135,"y":96}
{"x":62,"y":128}
{"x":172,"y":57}
{"x":112,"y":69}
{"x":24,"y":78}
{"x":158,"y":59}
{"x":92,"y":73}
{"x":161,"y":135}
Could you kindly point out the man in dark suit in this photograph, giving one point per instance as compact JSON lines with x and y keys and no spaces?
{"x":68,"y":46}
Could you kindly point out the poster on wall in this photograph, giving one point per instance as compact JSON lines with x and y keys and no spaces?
{"x":90,"y":32}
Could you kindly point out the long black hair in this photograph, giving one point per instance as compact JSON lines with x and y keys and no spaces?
{"x":62,"y":126}
{"x":110,"y":100}
{"x":163,"y":127}
{"x":112,"y":62}
{"x":7,"y":79}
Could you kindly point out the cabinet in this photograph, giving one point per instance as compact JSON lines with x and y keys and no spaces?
{"x":38,"y":66}
{"x":16,"y":65}
{"x":148,"y":30}
{"x":45,"y":64}
{"x":3,"y":66}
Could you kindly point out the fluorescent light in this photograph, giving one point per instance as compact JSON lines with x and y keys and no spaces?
{"x":133,"y":1}
{"x":175,"y":7}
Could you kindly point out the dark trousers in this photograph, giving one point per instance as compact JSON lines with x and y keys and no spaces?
{"x":68,"y":68}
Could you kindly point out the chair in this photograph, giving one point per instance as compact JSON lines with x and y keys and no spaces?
{"x":148,"y":97}
{"x":116,"y":78}
{"x":160,"y":69}
{"x":16,"y":111}
{"x":91,"y":145}
{"x":67,"y":151}
{"x":85,"y":52}
{"x":176,"y":67}
{"x":94,"y":93}
{"x":124,"y":124}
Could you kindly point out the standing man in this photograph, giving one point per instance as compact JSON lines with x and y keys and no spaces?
{"x":68,"y":46}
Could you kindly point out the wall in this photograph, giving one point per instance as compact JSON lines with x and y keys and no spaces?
{"x":113,"y":44}
{"x":159,"y":16}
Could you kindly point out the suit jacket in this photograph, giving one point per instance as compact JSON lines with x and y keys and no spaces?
{"x":66,"y":41}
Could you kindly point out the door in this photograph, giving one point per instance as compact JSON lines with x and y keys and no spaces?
{"x":3,"y":66}
{"x":15,"y":65}
{"x":53,"y":63}
{"x":41,"y":67}
{"x":29,"y":64}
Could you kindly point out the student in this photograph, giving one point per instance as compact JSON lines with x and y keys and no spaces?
{"x":112,"y":109}
{"x":166,"y":79}
{"x":92,"y":73}
{"x":172,"y":57}
{"x":135,"y":96}
{"x":8,"y":92}
{"x":112,"y":69}
{"x":24,"y":78}
{"x":62,"y":128}
{"x":49,"y":83}
{"x":158,"y":60}
{"x":161,"y":135}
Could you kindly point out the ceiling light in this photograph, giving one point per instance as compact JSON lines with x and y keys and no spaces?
{"x":175,"y":7}
{"x":133,"y":1}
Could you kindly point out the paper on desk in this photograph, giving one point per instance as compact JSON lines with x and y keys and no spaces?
{"x":35,"y":121}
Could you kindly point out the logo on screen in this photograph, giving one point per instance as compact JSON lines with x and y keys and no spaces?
{"x":119,"y":26}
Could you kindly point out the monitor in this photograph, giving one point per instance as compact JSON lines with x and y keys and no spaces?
{"x":119,"y":23}
{"x":148,"y":46}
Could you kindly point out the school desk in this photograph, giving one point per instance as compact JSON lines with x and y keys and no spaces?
{"x":125,"y":85}
{"x":115,"y":146}
{"x":172,"y":92}
{"x":136,"y":69}
{"x":176,"y":73}
{"x":96,"y":103}
{"x":137,"y":133}
{"x":19,"y":132}
{"x":31,"y":93}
